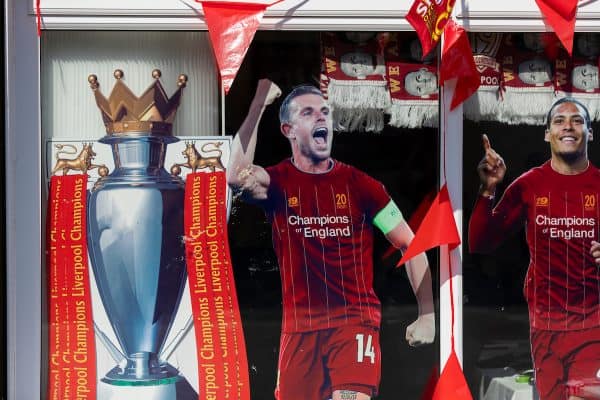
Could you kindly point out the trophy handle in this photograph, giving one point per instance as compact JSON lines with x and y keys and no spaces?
{"x":114,"y":352}
{"x":172,"y":346}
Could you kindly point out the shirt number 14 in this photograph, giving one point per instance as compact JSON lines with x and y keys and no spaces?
{"x":365,"y":350}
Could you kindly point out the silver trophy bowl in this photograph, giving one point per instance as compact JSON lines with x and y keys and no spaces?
{"x":135,"y":240}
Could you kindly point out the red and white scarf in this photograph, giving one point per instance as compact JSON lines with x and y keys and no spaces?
{"x":354,"y":77}
{"x":483,"y":104}
{"x":414,"y":93}
{"x":527,"y":84}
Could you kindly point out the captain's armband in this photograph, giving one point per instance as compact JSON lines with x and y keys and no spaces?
{"x":388,"y":218}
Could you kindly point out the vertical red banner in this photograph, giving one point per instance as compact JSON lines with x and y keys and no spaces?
{"x":220,"y":345}
{"x":71,"y":343}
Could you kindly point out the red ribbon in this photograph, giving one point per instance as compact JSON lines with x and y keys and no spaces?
{"x":439,"y":228}
{"x":220,"y":346}
{"x":71,"y":343}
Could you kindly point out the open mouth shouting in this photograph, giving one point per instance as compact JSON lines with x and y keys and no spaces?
{"x":320,"y":135}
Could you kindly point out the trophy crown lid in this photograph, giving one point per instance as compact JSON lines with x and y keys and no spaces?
{"x":152,"y":113}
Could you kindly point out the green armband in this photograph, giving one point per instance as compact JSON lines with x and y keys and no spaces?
{"x":388,"y":218}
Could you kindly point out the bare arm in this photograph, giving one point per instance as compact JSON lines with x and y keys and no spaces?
{"x":417,"y":268}
{"x":421,"y":331}
{"x":242,"y":175}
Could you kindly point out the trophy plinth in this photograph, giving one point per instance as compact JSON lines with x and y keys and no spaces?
{"x":135,"y":235}
{"x":142,"y":369}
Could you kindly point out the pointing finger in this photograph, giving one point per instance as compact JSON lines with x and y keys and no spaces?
{"x":486,"y":142}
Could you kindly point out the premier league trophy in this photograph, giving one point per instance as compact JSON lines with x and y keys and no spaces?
{"x":135,"y":234}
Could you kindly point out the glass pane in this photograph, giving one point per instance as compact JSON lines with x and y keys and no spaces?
{"x":404,"y":159}
{"x":534,"y":250}
{"x":383,"y":121}
{"x":116,"y":321}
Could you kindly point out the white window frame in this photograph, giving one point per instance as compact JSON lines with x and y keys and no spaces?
{"x":24,"y":230}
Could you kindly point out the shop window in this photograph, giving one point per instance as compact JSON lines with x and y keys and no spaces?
{"x":522,"y":75}
{"x":384,"y":127}
{"x":403,"y":158}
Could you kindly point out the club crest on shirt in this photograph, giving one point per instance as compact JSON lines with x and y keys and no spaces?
{"x":293,"y":201}
{"x":542,"y":201}
{"x":589,"y":202}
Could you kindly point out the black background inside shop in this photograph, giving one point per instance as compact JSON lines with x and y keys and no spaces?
{"x":406,"y":161}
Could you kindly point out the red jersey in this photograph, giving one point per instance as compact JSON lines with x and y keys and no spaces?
{"x":323,"y":237}
{"x":561,"y":212}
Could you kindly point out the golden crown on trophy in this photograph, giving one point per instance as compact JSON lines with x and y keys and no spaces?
{"x":124,"y":113}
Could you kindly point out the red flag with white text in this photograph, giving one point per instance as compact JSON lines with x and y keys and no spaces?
{"x":429,"y":18}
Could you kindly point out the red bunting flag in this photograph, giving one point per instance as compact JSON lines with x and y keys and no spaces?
{"x":429,"y":18}
{"x":452,"y":383}
{"x":560,"y":15}
{"x":438,"y":228}
{"x":457,"y":62}
{"x":231,"y":27}
{"x":415,"y":220}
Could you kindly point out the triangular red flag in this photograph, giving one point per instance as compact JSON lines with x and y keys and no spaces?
{"x":452,"y":383}
{"x":415,"y":219}
{"x":231,"y":27}
{"x":430,"y":385}
{"x":457,"y":62}
{"x":438,"y":228}
{"x":429,"y":19}
{"x":560,"y":15}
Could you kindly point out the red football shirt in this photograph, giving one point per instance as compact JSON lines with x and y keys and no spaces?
{"x":323,"y":237}
{"x":561,"y":212}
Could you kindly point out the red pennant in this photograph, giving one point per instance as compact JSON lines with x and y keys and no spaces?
{"x":457,"y":62}
{"x":560,"y":15}
{"x":452,"y":383}
{"x":438,"y":228}
{"x":415,"y":219}
{"x":429,"y":20}
{"x":231,"y":27}
{"x":430,"y":385}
